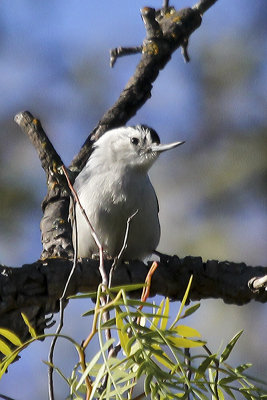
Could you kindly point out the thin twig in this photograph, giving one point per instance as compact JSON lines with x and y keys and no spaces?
{"x":123,"y":248}
{"x":123,"y":51}
{"x":203,"y":5}
{"x":103,"y":299}
{"x":76,"y":198}
{"x":146,"y":288}
{"x":61,"y":319}
{"x":153,"y":29}
{"x":113,"y":351}
{"x":188,"y":370}
{"x":165,"y":5}
{"x":184,"y":51}
{"x":144,"y":296}
{"x":62,"y":298}
{"x":2,"y":396}
{"x":93,"y":232}
{"x":101,"y":255}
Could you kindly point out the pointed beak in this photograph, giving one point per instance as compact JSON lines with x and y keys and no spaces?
{"x":163,"y":147}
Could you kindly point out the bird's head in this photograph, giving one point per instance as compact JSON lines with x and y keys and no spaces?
{"x":134,"y":147}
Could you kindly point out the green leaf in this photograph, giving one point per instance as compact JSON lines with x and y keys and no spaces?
{"x":108,"y":387}
{"x":109,"y":324}
{"x":127,"y":288}
{"x":228,"y":379}
{"x":134,"y":303}
{"x":10,"y":336}
{"x":147,"y":382}
{"x":220,"y":393}
{"x":89,"y":368}
{"x":88,"y":313}
{"x":5,"y":349}
{"x":185,"y":343}
{"x":228,"y":391}
{"x":94,"y":361}
{"x":6,"y":362}
{"x":31,"y":329}
{"x":186,"y":331}
{"x":190,"y":310}
{"x":205,"y":364}
{"x":141,"y":369}
{"x":94,"y":370}
{"x":164,"y":321}
{"x":200,"y":394}
{"x":123,"y":336}
{"x":241,"y":368}
{"x":164,"y":359}
{"x":157,"y":316}
{"x":121,"y":390}
{"x":83,"y":296}
{"x":128,"y":377}
{"x":230,"y":346}
{"x":98,"y":378}
{"x":183,"y":302}
{"x":137,"y":314}
{"x":245,"y":394}
{"x":131,"y":345}
{"x":154,"y":390}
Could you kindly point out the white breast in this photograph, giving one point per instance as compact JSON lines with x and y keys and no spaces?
{"x":109,"y":199}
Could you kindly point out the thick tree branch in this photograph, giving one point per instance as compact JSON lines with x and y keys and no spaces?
{"x":163,"y":36}
{"x":35,"y":288}
{"x":55,"y":227}
{"x":166,"y":30}
{"x":50,"y":160}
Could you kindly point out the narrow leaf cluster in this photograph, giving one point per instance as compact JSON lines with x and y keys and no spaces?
{"x":144,"y":347}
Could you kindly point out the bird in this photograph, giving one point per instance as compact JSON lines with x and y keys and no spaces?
{"x":115,"y":191}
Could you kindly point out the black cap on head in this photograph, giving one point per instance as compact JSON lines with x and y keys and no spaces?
{"x":154,"y":136}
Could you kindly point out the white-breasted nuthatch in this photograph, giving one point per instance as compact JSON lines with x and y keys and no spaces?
{"x":113,"y":186}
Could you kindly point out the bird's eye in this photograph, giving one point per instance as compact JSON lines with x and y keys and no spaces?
{"x":134,"y":140}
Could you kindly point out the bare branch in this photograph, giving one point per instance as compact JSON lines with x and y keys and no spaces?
{"x":50,"y":160}
{"x":36,"y":288}
{"x":165,"y":5}
{"x":123,"y":51}
{"x":165,"y":32}
{"x":203,"y":5}
{"x":163,"y":36}
{"x":55,"y":227}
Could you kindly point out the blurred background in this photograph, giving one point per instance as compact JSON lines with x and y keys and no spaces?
{"x":54,"y":62}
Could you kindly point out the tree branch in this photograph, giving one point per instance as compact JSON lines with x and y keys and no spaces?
{"x":203,"y":5}
{"x":166,"y":30}
{"x":50,"y":160}
{"x":55,"y":227}
{"x":36,"y":288}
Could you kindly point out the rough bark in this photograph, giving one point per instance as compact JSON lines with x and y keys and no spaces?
{"x":35,"y":288}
